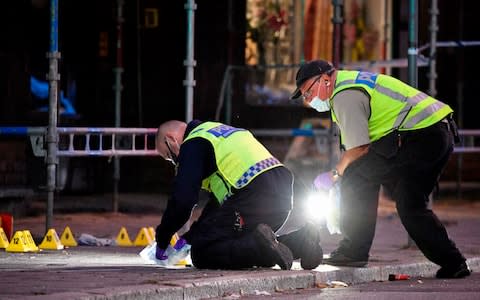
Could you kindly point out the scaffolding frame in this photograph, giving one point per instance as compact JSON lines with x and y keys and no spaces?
{"x":48,"y":137}
{"x":52,"y":132}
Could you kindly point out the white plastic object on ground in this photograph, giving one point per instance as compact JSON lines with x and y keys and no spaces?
{"x":333,"y":217}
{"x":176,"y":258}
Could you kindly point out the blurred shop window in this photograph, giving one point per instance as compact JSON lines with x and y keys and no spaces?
{"x":281,"y":34}
{"x":288,"y":31}
{"x":318,"y":33}
{"x":364,"y":30}
{"x":267,"y":28}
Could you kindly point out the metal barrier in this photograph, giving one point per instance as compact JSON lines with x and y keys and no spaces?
{"x":325,"y":139}
{"x":110,"y":141}
{"x":468,"y":141}
{"x":91,"y":141}
{"x":86,"y":141}
{"x":115,"y":142}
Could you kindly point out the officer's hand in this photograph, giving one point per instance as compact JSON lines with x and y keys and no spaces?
{"x":160,"y":254}
{"x":323,"y":181}
{"x":180,"y":244}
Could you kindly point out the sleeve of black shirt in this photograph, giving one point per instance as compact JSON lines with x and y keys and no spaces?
{"x":195,"y":163}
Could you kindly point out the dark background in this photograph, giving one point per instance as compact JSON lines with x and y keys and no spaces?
{"x":219,"y":41}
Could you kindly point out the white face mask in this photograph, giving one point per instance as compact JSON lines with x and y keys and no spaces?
{"x":320,"y":105}
{"x":172,"y":156}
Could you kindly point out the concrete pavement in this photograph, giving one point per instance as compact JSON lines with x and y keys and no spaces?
{"x":112,"y":272}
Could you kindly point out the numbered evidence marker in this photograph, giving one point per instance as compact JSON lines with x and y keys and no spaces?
{"x":67,"y":238}
{"x":143,"y":238}
{"x":30,"y":241}
{"x":123,"y":239}
{"x":3,"y":239}
{"x":21,"y":243}
{"x":51,"y":241}
{"x":151,"y":230}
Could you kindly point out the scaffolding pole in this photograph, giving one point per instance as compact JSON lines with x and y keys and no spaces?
{"x":337,"y":21}
{"x":189,"y":62}
{"x":433,"y":48}
{"x":412,"y":63}
{"x":52,"y":140}
{"x":413,"y":43}
{"x":118,"y":70}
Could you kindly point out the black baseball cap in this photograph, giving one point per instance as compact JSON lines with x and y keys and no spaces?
{"x":308,"y":70}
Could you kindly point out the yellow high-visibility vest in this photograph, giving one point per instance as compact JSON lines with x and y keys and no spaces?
{"x":394,"y":104}
{"x":238,"y":155}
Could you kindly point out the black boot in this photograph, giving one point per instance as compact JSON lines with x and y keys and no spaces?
{"x":337,"y":258}
{"x":458,"y":271}
{"x":271,"y":248}
{"x":305,"y":244}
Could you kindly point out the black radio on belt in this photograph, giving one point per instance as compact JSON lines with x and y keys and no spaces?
{"x":453,"y":128}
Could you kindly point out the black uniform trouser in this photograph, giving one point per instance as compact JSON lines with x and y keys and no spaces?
{"x":222,"y":236}
{"x":407,"y":165}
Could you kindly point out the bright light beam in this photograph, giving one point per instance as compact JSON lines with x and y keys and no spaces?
{"x":318,"y":206}
{"x":322,"y":207}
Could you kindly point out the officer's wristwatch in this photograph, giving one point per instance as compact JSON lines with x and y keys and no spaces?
{"x":335,"y":174}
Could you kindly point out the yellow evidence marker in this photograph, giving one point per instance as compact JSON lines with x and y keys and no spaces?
{"x":3,"y":239}
{"x":30,"y":241}
{"x":51,"y":241}
{"x":67,"y":238}
{"x":123,"y":239}
{"x":152,"y":232}
{"x":18,"y":243}
{"x":143,"y":237}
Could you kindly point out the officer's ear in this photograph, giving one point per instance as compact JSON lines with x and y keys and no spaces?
{"x":326,"y":79}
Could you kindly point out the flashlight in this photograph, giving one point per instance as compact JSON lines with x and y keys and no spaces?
{"x":318,"y":206}
{"x":323,"y":208}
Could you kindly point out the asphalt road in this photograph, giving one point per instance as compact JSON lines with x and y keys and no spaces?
{"x":414,"y":288}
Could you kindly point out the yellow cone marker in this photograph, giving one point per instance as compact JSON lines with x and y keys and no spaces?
{"x":183,"y":262}
{"x":3,"y":239}
{"x":123,"y":239}
{"x":51,"y":241}
{"x":174,"y":239}
{"x":151,"y":230}
{"x":143,"y":237}
{"x":18,"y":243}
{"x":30,"y":242}
{"x":67,"y":238}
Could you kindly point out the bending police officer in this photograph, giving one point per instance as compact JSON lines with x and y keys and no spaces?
{"x":394,"y":136}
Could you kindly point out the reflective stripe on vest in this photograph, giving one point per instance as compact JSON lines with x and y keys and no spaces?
{"x":256,"y":169}
{"x":413,"y":109}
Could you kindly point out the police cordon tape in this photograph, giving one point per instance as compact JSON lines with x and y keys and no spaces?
{"x":22,"y":240}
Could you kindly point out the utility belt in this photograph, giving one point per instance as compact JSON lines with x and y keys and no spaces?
{"x":389,"y":145}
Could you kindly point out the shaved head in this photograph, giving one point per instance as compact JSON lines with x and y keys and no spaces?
{"x":172,"y":130}
{"x":172,"y":127}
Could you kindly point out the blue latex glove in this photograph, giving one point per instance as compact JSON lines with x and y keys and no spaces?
{"x":160,"y":254}
{"x":180,"y":244}
{"x":323,"y":181}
